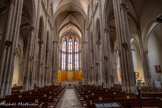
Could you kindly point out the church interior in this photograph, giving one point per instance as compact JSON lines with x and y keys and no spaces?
{"x":80,"y":53}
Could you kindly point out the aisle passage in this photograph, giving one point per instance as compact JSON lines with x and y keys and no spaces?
{"x":69,"y":100}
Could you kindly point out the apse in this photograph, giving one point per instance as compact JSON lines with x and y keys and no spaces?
{"x":70,"y":18}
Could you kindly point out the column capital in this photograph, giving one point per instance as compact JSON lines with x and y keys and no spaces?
{"x":31,"y":28}
{"x":87,"y":28}
{"x":97,"y":63}
{"x":124,"y":6}
{"x":55,"y":41}
{"x":11,"y":1}
{"x":40,"y":42}
{"x":106,"y":30}
{"x":106,"y":57}
{"x":84,"y":42}
{"x":41,"y":64}
{"x":31,"y":58}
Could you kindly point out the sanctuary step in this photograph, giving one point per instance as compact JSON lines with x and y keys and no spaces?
{"x":69,"y":84}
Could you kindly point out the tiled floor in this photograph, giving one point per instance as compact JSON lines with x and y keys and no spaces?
{"x":69,"y":100}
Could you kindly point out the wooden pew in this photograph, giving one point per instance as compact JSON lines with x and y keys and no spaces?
{"x":43,"y":97}
{"x":90,"y":95}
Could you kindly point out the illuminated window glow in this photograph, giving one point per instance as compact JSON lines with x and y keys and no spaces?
{"x":70,"y":52}
{"x":64,"y":55}
{"x":70,"y":59}
{"x":76,"y":56}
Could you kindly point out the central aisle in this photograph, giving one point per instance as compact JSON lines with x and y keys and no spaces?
{"x":69,"y":100}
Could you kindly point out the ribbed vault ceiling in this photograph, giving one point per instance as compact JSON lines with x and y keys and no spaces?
{"x":70,"y":15}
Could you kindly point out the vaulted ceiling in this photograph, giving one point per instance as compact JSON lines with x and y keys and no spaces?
{"x":59,"y":3}
{"x":70,"y":15}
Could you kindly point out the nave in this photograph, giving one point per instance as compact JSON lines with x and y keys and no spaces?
{"x":83,"y":96}
{"x":108,"y":50}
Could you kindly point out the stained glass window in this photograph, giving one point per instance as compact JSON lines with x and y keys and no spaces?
{"x":76,"y":56}
{"x":63,"y":61}
{"x":70,"y":48}
{"x":68,"y":54}
{"x":70,"y":62}
{"x":64,"y":46}
{"x":64,"y":55}
{"x":76,"y":62}
{"x":76,"y":46}
{"x":70,"y":45}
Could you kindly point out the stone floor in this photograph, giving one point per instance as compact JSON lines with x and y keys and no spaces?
{"x":69,"y":100}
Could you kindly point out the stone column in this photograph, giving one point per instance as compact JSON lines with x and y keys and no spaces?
{"x":92,"y":76}
{"x":55,"y":56}
{"x":50,"y":59}
{"x":148,"y":79}
{"x":145,"y":61}
{"x":61,"y":52}
{"x":99,"y":61}
{"x":115,"y":69}
{"x":29,"y":61}
{"x":21,"y":78}
{"x":108,"y":58}
{"x":92,"y":64}
{"x":53,"y":63}
{"x":46,"y":64}
{"x":86,"y":77}
{"x":100,"y":72}
{"x":81,"y":53}
{"x":122,"y":30}
{"x":10,"y":42}
{"x":67,"y":44}
{"x":56,"y":60}
{"x":84,"y":55}
{"x":40,"y":65}
{"x":43,"y":53}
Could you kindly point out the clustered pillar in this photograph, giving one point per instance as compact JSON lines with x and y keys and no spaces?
{"x":122,"y":30}
{"x":108,"y":59}
{"x":9,"y":46}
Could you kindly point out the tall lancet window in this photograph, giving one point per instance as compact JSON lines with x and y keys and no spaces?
{"x":76,"y":56}
{"x":70,"y":50}
{"x":64,"y":46}
{"x":70,"y":54}
{"x":64,"y":55}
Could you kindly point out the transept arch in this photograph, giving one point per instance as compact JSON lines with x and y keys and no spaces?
{"x":154,"y":46}
{"x":28,"y":14}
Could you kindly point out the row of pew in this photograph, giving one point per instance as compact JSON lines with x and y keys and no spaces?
{"x":16,"y":89}
{"x":92,"y":96}
{"x":46,"y":97}
{"x":151,"y":92}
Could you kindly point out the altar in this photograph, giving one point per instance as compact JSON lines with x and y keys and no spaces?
{"x":69,"y":75}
